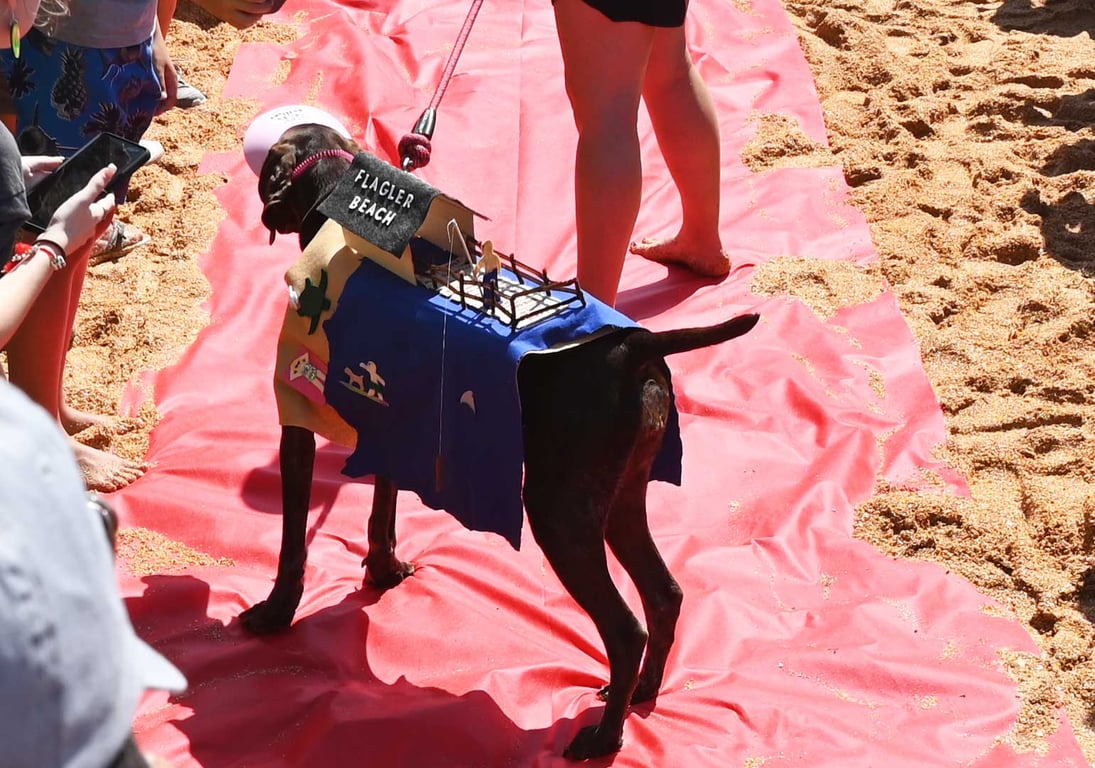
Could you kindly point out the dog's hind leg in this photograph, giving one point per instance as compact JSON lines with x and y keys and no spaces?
{"x":381,"y":566}
{"x":573,"y":543}
{"x":628,"y":534}
{"x":296,"y":459}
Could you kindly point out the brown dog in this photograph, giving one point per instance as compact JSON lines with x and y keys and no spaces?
{"x":575,"y":500}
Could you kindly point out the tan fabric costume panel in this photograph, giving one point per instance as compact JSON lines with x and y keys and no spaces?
{"x":328,"y":251}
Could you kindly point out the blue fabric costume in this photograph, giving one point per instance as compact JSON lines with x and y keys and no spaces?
{"x":407,"y":363}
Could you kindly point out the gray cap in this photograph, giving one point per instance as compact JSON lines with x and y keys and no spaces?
{"x":72,"y":670}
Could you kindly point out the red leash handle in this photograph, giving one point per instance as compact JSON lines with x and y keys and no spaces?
{"x":414,"y":147}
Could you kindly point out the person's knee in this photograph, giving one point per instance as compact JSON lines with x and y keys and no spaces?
{"x":670,"y":66}
{"x":673,"y":78}
{"x":607,"y":112}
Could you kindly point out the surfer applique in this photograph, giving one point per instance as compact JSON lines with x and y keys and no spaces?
{"x":368,"y":383}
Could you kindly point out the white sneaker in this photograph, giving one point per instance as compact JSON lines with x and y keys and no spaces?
{"x":155,"y":149}
{"x":187,"y":96}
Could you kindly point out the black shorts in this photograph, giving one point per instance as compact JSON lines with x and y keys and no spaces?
{"x":654,"y":13}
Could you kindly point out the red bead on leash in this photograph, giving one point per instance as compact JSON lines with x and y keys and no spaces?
{"x":414,"y":149}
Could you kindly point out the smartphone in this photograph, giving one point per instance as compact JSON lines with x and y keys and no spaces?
{"x":76,"y":171}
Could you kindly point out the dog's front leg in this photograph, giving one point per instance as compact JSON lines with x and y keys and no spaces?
{"x":382,"y":569}
{"x":297,"y":460}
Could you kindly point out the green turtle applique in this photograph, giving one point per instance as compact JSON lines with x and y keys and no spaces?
{"x":313,"y":300}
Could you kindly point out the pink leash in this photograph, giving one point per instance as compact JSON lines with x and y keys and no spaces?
{"x":414,"y":147}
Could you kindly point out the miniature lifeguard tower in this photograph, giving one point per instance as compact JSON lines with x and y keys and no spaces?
{"x":427,"y":238}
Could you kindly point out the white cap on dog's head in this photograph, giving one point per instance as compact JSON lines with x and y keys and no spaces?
{"x":267,"y":128}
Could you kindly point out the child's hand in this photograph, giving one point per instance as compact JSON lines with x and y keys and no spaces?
{"x":37,"y":167}
{"x":241,"y":14}
{"x":81,"y":219}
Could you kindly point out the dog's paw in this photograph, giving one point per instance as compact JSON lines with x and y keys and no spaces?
{"x":387,"y":575}
{"x":643,"y":692}
{"x":591,"y":742}
{"x":274,"y":614}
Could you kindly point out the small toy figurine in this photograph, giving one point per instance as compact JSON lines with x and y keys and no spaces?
{"x":488,"y":265}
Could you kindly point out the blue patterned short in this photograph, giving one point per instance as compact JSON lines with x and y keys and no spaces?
{"x":67,"y":94}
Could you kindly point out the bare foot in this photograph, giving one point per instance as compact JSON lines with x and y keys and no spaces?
{"x":105,"y":471}
{"x":674,"y":251}
{"x":75,"y":420}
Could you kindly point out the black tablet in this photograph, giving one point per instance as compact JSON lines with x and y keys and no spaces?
{"x":75,"y":172}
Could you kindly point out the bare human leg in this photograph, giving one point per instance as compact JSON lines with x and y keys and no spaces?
{"x":604,"y":64}
{"x":36,"y":363}
{"x":687,"y":130}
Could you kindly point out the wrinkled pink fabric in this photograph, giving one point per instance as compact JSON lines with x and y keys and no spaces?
{"x":798,"y":644}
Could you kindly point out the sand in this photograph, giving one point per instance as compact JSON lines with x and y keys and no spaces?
{"x":965,"y":132}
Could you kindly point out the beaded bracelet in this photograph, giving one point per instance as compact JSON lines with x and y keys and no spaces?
{"x":24,"y":253}
{"x":17,"y":258}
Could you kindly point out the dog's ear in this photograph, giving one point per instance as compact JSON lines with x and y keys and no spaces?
{"x":283,"y":208}
{"x":275,"y":181}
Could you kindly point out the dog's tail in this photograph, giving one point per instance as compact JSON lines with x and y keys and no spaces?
{"x":659,"y":344}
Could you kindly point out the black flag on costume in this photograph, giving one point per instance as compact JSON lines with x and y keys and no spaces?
{"x":380,"y":203}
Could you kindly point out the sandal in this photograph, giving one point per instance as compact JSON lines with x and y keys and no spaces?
{"x":117,"y":241}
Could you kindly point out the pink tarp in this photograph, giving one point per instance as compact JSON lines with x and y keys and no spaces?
{"x":798,"y":645}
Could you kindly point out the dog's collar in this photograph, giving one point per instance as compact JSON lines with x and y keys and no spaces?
{"x":311,"y":160}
